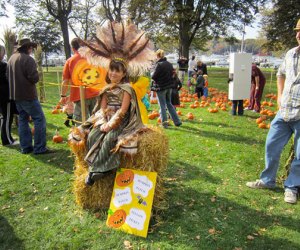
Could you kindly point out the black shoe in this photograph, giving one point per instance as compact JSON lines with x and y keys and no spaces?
{"x":179,"y":124}
{"x":47,"y":151}
{"x":67,"y":123}
{"x":26,"y":152}
{"x":88,"y":180}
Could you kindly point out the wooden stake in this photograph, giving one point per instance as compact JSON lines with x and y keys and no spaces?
{"x":82,"y":103}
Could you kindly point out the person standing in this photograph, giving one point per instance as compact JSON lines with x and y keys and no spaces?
{"x":258,"y":81}
{"x":162,"y":77}
{"x":192,"y":66}
{"x":90,"y":93}
{"x":7,"y":107}
{"x":182,"y":67}
{"x":284,"y":125}
{"x":22,"y":76}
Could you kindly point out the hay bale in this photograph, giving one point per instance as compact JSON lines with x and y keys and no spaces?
{"x":152,"y":156}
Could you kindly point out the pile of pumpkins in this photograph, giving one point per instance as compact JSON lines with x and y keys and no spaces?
{"x":220,"y":98}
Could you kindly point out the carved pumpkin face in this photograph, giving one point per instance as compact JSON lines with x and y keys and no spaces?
{"x":117,"y":219}
{"x":90,"y":76}
{"x":85,"y":74}
{"x":125,"y":178}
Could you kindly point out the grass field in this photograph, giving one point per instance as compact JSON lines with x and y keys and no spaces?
{"x":209,"y":206}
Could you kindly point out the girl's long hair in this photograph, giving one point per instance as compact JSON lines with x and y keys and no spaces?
{"x":118,"y":66}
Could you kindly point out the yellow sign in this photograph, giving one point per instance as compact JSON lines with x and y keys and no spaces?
{"x":131,"y":202}
{"x":87,"y":75}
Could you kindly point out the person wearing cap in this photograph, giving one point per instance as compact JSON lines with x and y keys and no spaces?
{"x":22,"y":76}
{"x":7,"y":107}
{"x":284,"y":125}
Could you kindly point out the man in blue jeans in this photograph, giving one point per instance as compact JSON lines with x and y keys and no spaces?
{"x":22,"y":76}
{"x":285,"y":124}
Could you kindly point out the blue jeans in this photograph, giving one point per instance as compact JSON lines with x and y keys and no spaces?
{"x":278,"y":136}
{"x":164,"y":100}
{"x":31,"y":108}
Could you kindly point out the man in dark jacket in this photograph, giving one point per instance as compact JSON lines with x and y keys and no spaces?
{"x":162,"y":77}
{"x":22,"y":76}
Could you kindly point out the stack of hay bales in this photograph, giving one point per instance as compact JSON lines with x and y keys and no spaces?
{"x":152,"y":156}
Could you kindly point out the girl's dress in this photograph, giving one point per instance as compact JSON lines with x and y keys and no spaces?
{"x":102,"y":147}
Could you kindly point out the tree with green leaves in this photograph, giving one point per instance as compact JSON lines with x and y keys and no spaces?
{"x":191,"y":19}
{"x":3,"y":8}
{"x":47,"y":34}
{"x":278,"y":23}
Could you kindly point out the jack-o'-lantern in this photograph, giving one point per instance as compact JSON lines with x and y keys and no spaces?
{"x":117,"y":219}
{"x":125,"y":178}
{"x":87,"y":75}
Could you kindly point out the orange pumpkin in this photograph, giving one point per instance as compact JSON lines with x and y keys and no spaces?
{"x":190,"y":116}
{"x":179,"y":112}
{"x":125,"y":178}
{"x":32,"y":130}
{"x":117,"y":219}
{"x":57,"y":138}
{"x":55,"y":111}
{"x":151,"y":116}
{"x":262,"y":125}
{"x":259,"y":120}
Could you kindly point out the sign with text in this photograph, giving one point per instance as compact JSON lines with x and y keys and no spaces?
{"x":131,"y":202}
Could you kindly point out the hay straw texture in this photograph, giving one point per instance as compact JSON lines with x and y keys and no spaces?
{"x":152,"y":156}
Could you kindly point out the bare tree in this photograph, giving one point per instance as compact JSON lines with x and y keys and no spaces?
{"x":113,"y":9}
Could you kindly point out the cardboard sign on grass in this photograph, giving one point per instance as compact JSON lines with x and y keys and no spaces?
{"x":131,"y":202}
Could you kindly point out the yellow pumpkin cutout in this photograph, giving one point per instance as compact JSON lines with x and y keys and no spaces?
{"x":85,"y":74}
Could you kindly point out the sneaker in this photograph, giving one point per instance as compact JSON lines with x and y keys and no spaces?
{"x":15,"y":143}
{"x":247,"y":108}
{"x":257,"y":184}
{"x":290,"y":197}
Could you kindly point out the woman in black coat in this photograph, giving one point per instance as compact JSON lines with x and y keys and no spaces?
{"x":7,"y":107}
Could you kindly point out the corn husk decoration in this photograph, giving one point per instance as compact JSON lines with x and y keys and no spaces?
{"x":122,"y":42}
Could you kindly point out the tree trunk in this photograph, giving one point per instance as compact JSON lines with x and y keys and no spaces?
{"x":184,"y":39}
{"x":46,"y":60}
{"x":64,"y":27}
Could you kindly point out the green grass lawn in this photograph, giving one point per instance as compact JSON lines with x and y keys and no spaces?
{"x":209,"y":206}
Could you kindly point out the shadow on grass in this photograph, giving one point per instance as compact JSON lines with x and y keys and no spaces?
{"x":60,"y":159}
{"x":221,"y":136}
{"x":220,"y":223}
{"x":8,"y":238}
{"x":186,"y":171}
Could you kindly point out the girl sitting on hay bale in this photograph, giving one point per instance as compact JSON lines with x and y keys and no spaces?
{"x":116,"y":122}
